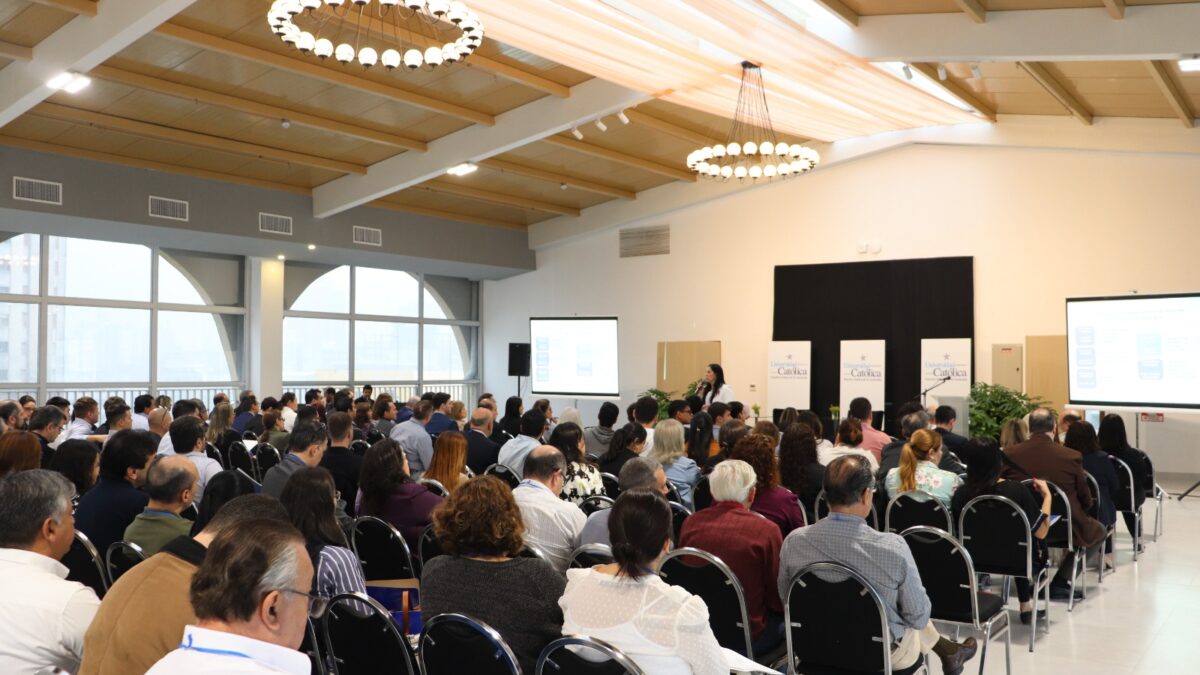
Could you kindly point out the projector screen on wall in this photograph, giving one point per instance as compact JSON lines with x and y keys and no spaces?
{"x":1135,"y":351}
{"x":574,"y":356}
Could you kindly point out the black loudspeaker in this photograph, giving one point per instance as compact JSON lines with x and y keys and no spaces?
{"x":518,"y":359}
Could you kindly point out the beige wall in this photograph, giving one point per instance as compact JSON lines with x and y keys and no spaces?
{"x":1042,"y":225}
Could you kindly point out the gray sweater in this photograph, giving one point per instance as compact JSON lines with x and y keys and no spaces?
{"x":518,"y":597}
{"x":596,"y":439}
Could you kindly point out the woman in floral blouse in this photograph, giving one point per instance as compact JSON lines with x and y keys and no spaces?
{"x":582,"y":479}
{"x":919,"y":470}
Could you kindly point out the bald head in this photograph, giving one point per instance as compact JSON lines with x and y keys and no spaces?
{"x":545,"y":464}
{"x":171,"y":482}
{"x":160,"y":421}
{"x":481,"y":419}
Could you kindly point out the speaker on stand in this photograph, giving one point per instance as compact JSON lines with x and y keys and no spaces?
{"x":518,"y":362}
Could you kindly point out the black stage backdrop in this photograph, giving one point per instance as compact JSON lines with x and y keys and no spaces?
{"x":901,"y":301}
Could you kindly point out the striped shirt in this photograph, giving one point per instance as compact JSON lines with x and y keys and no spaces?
{"x":338,"y":571}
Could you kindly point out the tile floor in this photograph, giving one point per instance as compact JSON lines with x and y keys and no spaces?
{"x":1145,"y":618}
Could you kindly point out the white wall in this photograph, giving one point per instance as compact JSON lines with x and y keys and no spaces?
{"x":1042,"y":225}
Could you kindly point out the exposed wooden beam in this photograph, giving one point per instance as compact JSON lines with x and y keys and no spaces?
{"x":1055,"y":88}
{"x":253,"y":107}
{"x":1160,"y":72}
{"x":324,"y":71}
{"x":640,"y":118}
{"x":15,"y":52}
{"x":80,"y":7}
{"x":1116,"y":8}
{"x":448,"y":188}
{"x":558,"y":178}
{"x":448,"y":215}
{"x":80,"y":153}
{"x":621,"y":158}
{"x":973,"y":9}
{"x":841,"y":11}
{"x":163,"y":133}
{"x":956,"y":90}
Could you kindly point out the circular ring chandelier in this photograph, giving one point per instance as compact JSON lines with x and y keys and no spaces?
{"x":418,"y":33}
{"x":752,"y":151}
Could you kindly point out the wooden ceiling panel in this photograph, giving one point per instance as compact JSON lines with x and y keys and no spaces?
{"x":1006,"y":88}
{"x":315,"y":142}
{"x":185,"y":155}
{"x":284,"y":89}
{"x":639,"y":141}
{"x":340,"y":103}
{"x":152,"y":55}
{"x":883,"y":7}
{"x":519,"y":58}
{"x":218,"y":72}
{"x":28,"y":24}
{"x":143,"y":105}
{"x":36,"y":128}
{"x":519,"y":186}
{"x":551,"y":158}
{"x":98,"y":96}
{"x":223,"y":17}
{"x":281,"y":172}
{"x":99,"y":140}
{"x":422,"y":198}
{"x":412,"y":121}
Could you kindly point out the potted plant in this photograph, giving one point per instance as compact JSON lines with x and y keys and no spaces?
{"x":991,"y":405}
{"x":756,"y":409}
{"x":664,"y":399}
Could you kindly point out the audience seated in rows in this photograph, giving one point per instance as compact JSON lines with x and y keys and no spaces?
{"x":384,"y":414}
{"x":187,"y":437}
{"x":482,"y":573}
{"x":772,"y":501}
{"x":109,"y":507}
{"x":509,"y":426}
{"x":701,"y":444}
{"x":160,"y":424}
{"x":640,"y":473}
{"x":222,"y":489}
{"x":597,"y":439}
{"x":181,"y":409}
{"x":413,"y":438}
{"x":440,"y":421}
{"x":669,"y":451}
{"x":246,"y":415}
{"x":306,"y":447}
{"x":449,"y":465}
{"x":273,"y":432}
{"x":849,"y":442}
{"x":943,"y":423}
{"x":310,"y":498}
{"x":581,"y":479}
{"x":645,"y":413}
{"x":919,"y":470}
{"x":288,"y":405}
{"x":799,"y":470}
{"x":482,"y":451}
{"x":84,"y":416}
{"x":1114,"y":441}
{"x":344,"y":465}
{"x":873,"y":440}
{"x":387,"y":491}
{"x":220,"y":431}
{"x":552,"y":525}
{"x":514,"y":451}
{"x":627,"y":443}
{"x":47,"y":424}
{"x":1081,"y":437}
{"x":79,"y":461}
{"x":170,"y":484}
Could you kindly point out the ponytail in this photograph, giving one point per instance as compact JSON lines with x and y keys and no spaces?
{"x":916,"y":450}
{"x":622,"y":438}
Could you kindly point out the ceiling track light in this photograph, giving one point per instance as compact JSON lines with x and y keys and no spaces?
{"x":623,"y":117}
{"x":976,"y":71}
{"x":601,"y":125}
{"x":942,"y":72}
{"x":577,"y":133}
{"x":907,"y":72}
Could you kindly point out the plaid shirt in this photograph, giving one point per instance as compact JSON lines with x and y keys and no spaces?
{"x":883,"y":559}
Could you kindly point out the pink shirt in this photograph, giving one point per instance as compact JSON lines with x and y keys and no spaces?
{"x":873,"y":441}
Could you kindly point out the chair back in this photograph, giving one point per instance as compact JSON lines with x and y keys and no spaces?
{"x":362,"y":639}
{"x":1097,"y":496}
{"x":702,"y":495}
{"x":381,"y":550}
{"x":803,"y":511}
{"x":595,"y":503}
{"x":531,"y":551}
{"x":679,"y":514}
{"x":267,"y":457}
{"x":1125,"y":498}
{"x":703,"y":574}
{"x":1150,"y":487}
{"x":249,"y":436}
{"x":673,"y":493}
{"x":84,"y":565}
{"x":853,"y":638}
{"x":910,"y":509}
{"x":455,"y":644}
{"x":564,"y":657}
{"x":311,"y":647}
{"x":947,"y":574}
{"x":821,"y":506}
{"x":996,"y":532}
{"x":240,"y":458}
{"x":435,"y":487}
{"x":360,"y":446}
{"x":590,"y":555}
{"x":428,"y":548}
{"x":503,"y":473}
{"x":213,"y":453}
{"x":1061,"y":534}
{"x":121,"y":557}
{"x":612,"y":486}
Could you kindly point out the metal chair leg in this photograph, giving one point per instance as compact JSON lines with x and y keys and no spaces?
{"x":1008,"y":640}
{"x":987,"y":637}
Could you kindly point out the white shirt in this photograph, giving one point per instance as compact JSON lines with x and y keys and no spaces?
{"x":210,"y":652}
{"x":289,"y":418}
{"x":207,"y":468}
{"x":42,"y":616}
{"x":141,"y":422}
{"x":164,"y":446}
{"x":515,"y":451}
{"x":552,"y":525}
{"x":78,"y":428}
{"x":649,"y":441}
{"x":723,"y":396}
{"x":827,"y":455}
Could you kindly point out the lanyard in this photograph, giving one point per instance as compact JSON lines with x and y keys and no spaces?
{"x":205,"y":650}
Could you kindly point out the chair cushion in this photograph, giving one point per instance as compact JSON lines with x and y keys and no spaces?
{"x":989,"y":605}
{"x":814,"y":669}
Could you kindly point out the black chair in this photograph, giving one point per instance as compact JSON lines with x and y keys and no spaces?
{"x":1109,"y":530}
{"x":381,"y":550}
{"x":361,"y":638}
{"x":428,"y":547}
{"x":454,"y":644}
{"x":590,"y":555}
{"x":1062,"y":535}
{"x":435,"y":487}
{"x":853,"y":639}
{"x":612,"y":486}
{"x":997,"y":534}
{"x":821,"y":510}
{"x":1126,"y":501}
{"x":360,"y":447}
{"x":120,"y":557}
{"x":240,"y":458}
{"x":84,"y":565}
{"x":267,"y":457}
{"x":595,"y":503}
{"x":213,"y":453}
{"x":950,"y":582}
{"x":1154,"y":491}
{"x":503,"y":473}
{"x":249,"y":436}
{"x":562,"y":657}
{"x":702,"y":495}
{"x":673,"y":493}
{"x":679,"y":514}
{"x":311,"y":647}
{"x":703,"y":574}
{"x":190,"y":513}
{"x":910,"y":509}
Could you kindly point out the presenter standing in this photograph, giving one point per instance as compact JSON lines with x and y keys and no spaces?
{"x":712,"y":386}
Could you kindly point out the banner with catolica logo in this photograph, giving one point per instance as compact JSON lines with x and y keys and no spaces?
{"x":789,"y":375}
{"x":862,"y":368}
{"x":943,"y":358}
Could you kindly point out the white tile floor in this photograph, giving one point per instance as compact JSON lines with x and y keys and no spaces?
{"x":1145,"y":618}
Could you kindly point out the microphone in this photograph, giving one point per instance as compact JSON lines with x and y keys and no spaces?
{"x":947,"y":378}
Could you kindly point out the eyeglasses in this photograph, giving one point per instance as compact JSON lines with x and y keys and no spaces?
{"x":316,"y":604}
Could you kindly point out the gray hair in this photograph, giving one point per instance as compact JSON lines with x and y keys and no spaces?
{"x":639,"y":474}
{"x":1041,"y":421}
{"x":668,"y":442}
{"x":732,"y":481}
{"x":27,"y":499}
{"x":282,"y":571}
{"x":913,"y":422}
{"x":571,"y":415}
{"x":480,"y":417}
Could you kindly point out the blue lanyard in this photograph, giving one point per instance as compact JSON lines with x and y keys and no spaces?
{"x":205,"y":650}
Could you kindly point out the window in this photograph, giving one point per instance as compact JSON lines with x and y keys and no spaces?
{"x":316,"y":350}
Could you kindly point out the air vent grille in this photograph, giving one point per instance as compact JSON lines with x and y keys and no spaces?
{"x":640,"y":241}
{"x":171,"y":209}
{"x":274,"y":223}
{"x":40,"y":191}
{"x":368,"y":236}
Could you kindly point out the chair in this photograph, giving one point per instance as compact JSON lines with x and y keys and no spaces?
{"x":428,"y":547}
{"x":435,"y":487}
{"x":381,"y":550}
{"x":249,"y":436}
{"x":1062,"y":536}
{"x":821,"y":510}
{"x":997,"y":534}
{"x":562,"y":657}
{"x":267,"y":457}
{"x":311,"y":647}
{"x":679,"y":514}
{"x":909,"y":509}
{"x":453,"y":644}
{"x":950,"y":582}
{"x":213,"y":453}
{"x":702,"y":495}
{"x":854,"y":638}
{"x":705,"y":575}
{"x":531,"y":551}
{"x":612,"y":486}
{"x":1126,"y":500}
{"x":191,"y":513}
{"x":595,"y":503}
{"x":1154,"y":491}
{"x":120,"y":557}
{"x":362,"y":639}
{"x":1109,"y":530}
{"x":803,"y":512}
{"x":673,"y":493}
{"x":240,"y":458}
{"x":84,"y":565}
{"x":360,"y":447}
{"x":590,"y":555}
{"x":503,"y":473}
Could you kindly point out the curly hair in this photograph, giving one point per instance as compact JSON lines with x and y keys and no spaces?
{"x":797,"y":451}
{"x":758,"y":450}
{"x":480,"y":518}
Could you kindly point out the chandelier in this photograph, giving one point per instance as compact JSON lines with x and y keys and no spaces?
{"x":752,"y":150}
{"x":412,"y":33}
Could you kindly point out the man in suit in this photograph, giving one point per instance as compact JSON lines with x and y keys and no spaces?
{"x":1042,"y":457}
{"x":482,"y":451}
{"x":440,"y":421}
{"x":943,"y":421}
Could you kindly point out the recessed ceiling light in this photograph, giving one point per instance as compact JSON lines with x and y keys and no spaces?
{"x":1191,"y":65}
{"x":312,"y":247}
{"x":72,"y":83}
{"x":462,"y":169}
{"x":281,"y":257}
